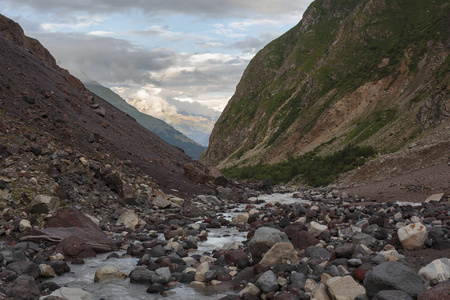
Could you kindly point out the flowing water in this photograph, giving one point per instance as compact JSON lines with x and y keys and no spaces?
{"x":82,"y":276}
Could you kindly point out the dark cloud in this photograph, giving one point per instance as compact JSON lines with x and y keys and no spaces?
{"x":205,"y":8}
{"x":107,"y":60}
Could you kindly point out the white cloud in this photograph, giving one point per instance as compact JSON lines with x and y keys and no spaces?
{"x":101,"y":33}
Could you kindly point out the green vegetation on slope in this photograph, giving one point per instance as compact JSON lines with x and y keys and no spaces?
{"x":157,"y":126}
{"x":315,"y":170}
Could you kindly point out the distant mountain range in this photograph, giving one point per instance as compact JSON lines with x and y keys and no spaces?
{"x":157,"y":126}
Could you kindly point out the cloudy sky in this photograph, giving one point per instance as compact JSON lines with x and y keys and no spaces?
{"x":153,"y":51}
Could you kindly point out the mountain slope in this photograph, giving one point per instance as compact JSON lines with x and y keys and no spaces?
{"x":159,"y":127}
{"x":51,"y":110}
{"x":369,"y":72}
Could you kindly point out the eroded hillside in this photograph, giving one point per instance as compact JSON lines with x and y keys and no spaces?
{"x":351,"y":72}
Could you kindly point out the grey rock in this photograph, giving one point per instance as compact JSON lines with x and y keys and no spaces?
{"x":392,"y":295}
{"x":393,"y":275}
{"x":267,"y":282}
{"x":315,"y":252}
{"x":162,"y":276}
{"x":141,"y":275}
{"x":263,"y":239}
{"x":25,"y":268}
{"x":23,"y":288}
{"x":298,"y":280}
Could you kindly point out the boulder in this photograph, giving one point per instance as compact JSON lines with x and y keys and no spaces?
{"x":74,"y":247}
{"x":69,"y":294}
{"x":24,"y":225}
{"x":263,"y":239}
{"x":438,"y":292}
{"x":343,"y":288}
{"x":201,"y":271}
{"x":130,"y":220}
{"x":240,"y":218}
{"x":413,"y":236}
{"x":46,"y":271}
{"x":316,"y":229}
{"x":43,"y":204}
{"x":161,"y":202}
{"x":392,"y":295}
{"x":141,"y":275}
{"x":24,"y":268}
{"x":23,"y":288}
{"x":162,"y":276}
{"x":438,"y":269}
{"x":278,"y":254}
{"x":70,"y":222}
{"x":393,"y":275}
{"x":302,"y":240}
{"x":107,"y":273}
{"x":316,"y":252}
{"x":251,"y":289}
{"x":435,"y":197}
{"x":267,"y":282}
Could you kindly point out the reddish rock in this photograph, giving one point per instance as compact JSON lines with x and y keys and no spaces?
{"x":292,"y":229}
{"x":232,"y":256}
{"x":359,"y":274}
{"x":438,"y":292}
{"x":345,"y":251}
{"x":74,"y":247}
{"x":70,"y":222}
{"x":24,"y":287}
{"x":302,"y":240}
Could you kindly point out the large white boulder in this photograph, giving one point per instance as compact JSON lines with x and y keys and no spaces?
{"x":70,"y":294}
{"x":316,"y":229}
{"x":438,"y":269}
{"x":413,"y":236}
{"x":130,"y":220}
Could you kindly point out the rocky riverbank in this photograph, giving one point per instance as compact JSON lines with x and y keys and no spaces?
{"x":325,"y":245}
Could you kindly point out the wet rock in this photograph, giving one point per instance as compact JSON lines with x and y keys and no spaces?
{"x":23,"y":288}
{"x":74,"y":247}
{"x":70,"y":293}
{"x":46,"y":271}
{"x":438,"y":269}
{"x":278,"y":254}
{"x":43,"y":204}
{"x":250,"y":289}
{"x":60,"y":267}
{"x":107,"y":273}
{"x":438,"y":292}
{"x":393,"y":276}
{"x":392,"y":295}
{"x":200,"y":273}
{"x":413,"y":236}
{"x":162,"y":276}
{"x":267,"y":282}
{"x":344,"y":288}
{"x":263,"y":239}
{"x":141,"y":275}
{"x":24,"y":268}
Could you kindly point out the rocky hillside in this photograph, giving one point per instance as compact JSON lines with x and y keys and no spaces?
{"x":157,"y":126}
{"x":57,"y":137}
{"x":369,"y":72}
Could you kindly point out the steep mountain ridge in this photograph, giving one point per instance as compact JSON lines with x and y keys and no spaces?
{"x":157,"y":126}
{"x":351,"y":72}
{"x":44,"y":106}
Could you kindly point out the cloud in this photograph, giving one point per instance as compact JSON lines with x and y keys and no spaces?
{"x":106,"y":59}
{"x":203,"y":8}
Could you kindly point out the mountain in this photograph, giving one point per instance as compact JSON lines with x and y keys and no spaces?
{"x":157,"y":126}
{"x":74,"y":141}
{"x":364,"y":73}
{"x":194,"y":120}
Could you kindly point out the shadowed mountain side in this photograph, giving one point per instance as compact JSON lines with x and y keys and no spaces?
{"x":157,"y":126}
